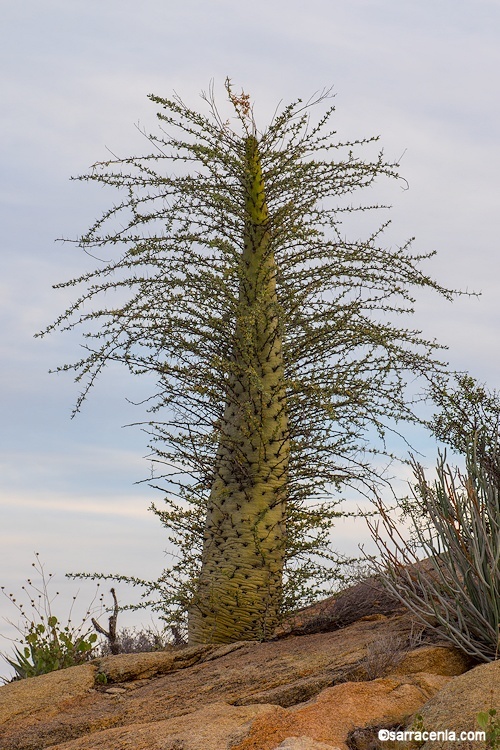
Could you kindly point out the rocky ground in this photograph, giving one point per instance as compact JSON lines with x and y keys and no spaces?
{"x":336,"y":673}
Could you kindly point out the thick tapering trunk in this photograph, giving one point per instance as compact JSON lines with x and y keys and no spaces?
{"x":240,"y":586}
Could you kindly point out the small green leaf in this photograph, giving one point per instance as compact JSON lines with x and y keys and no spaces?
{"x":483,"y":719}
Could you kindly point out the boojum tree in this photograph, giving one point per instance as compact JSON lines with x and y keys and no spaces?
{"x":272,"y":338}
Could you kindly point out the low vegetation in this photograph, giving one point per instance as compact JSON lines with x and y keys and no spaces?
{"x":456,"y":528}
{"x":44,"y":643}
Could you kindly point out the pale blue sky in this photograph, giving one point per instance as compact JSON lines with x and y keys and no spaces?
{"x":75,"y":79}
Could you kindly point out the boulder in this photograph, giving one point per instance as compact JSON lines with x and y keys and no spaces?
{"x":366,"y":598}
{"x":457,"y":705}
{"x":47,"y":694}
{"x":443,"y":660}
{"x":126,"y":667}
{"x":303,"y":743}
{"x":298,"y":692}
{"x":336,"y":711}
{"x":214,"y":727}
{"x":161,"y":686}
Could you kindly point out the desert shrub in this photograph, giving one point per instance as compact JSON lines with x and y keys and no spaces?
{"x":365,"y":597}
{"x":133,"y":640}
{"x":50,"y":647}
{"x":388,"y":651}
{"x":456,"y":525}
{"x":138,"y":640}
{"x":44,"y":643}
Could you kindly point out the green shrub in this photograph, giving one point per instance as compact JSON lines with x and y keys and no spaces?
{"x":49,"y":648}
{"x":45,"y":644}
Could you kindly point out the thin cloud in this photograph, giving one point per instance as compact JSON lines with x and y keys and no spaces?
{"x":121,"y":506}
